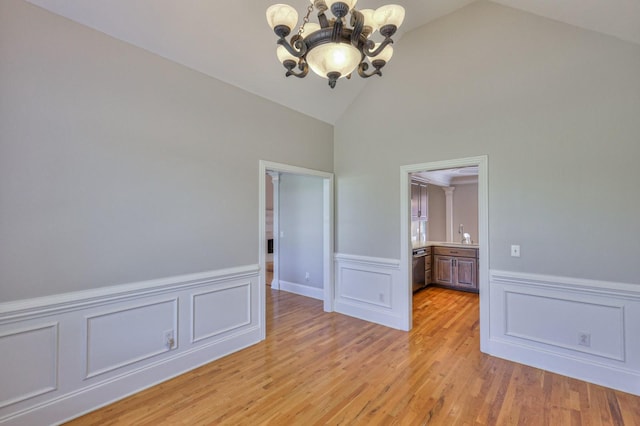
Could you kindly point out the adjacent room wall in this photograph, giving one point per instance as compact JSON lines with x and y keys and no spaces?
{"x":301,"y":228}
{"x":553,"y":106}
{"x":465,"y":210}
{"x":437,"y":223}
{"x":117,"y":165}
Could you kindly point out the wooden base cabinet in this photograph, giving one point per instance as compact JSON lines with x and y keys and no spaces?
{"x":456,"y":268}
{"x":428,"y":275}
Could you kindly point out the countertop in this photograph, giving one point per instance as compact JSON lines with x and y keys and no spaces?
{"x":444,"y":244}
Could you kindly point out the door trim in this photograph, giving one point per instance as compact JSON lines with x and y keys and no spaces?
{"x":483,"y":232}
{"x":327,"y":232}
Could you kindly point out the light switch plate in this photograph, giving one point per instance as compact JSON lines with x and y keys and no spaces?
{"x":515,"y":251}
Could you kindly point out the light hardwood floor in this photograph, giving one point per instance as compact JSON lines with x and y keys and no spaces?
{"x":317,"y":368}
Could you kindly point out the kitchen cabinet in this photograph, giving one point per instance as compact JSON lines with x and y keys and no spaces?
{"x":456,"y":268}
{"x":419,"y":201}
{"x":428,"y":275}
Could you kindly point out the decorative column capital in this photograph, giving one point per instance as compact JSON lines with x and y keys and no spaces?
{"x":275,"y":176}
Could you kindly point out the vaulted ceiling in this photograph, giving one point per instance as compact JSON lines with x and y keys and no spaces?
{"x":232,"y":42}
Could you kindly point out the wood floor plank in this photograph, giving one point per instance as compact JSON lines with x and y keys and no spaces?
{"x":318,"y":368}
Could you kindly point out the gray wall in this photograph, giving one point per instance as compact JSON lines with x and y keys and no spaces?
{"x":553,"y":106}
{"x":301,"y":221}
{"x":117,"y":165}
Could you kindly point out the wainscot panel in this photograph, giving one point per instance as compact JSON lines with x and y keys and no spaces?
{"x":575,"y":327}
{"x":30,"y":355}
{"x":370,"y":289}
{"x":69,"y":354}
{"x":121,"y":337}
{"x":220,"y":311}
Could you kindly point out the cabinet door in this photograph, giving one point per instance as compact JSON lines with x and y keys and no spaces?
{"x":424,"y":202}
{"x":428,"y":278}
{"x":443,"y":270}
{"x":415,"y":200}
{"x":466,"y":273}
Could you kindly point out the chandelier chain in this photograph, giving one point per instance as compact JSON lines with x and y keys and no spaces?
{"x":305,"y":20}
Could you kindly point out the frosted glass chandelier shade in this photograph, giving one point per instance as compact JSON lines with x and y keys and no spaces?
{"x":386,"y":53}
{"x":282,"y":14}
{"x":391,"y":14}
{"x":334,"y":57}
{"x":284,"y":55}
{"x":369,"y":20}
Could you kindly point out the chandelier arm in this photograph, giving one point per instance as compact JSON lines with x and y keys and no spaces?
{"x":301,"y":74}
{"x":370,"y":45}
{"x":363,"y":67}
{"x":357,"y":22}
{"x":297,"y":47}
{"x":388,"y":30}
{"x":290,"y":64}
{"x":336,"y":33}
{"x":322,"y":19}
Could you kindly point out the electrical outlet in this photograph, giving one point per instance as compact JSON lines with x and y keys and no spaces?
{"x":169,"y":339}
{"x":515,"y":251}
{"x":306,"y":276}
{"x":381,"y":297}
{"x":584,"y":339}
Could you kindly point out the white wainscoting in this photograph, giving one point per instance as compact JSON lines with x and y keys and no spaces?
{"x":140,"y":327}
{"x":31,"y":354}
{"x":65,"y":355}
{"x":369,"y":288}
{"x":538,"y":320}
{"x":210,"y":313}
{"x":302,"y":290}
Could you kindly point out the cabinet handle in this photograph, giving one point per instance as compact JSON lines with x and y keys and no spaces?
{"x":453,"y":252}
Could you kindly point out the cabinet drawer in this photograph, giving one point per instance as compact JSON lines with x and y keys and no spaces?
{"x":427,"y":262}
{"x":454,"y":251}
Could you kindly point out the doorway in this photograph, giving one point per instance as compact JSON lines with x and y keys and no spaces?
{"x":327,"y":232}
{"x":481,"y":163}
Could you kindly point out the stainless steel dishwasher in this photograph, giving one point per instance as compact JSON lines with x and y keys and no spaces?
{"x":417,"y":275}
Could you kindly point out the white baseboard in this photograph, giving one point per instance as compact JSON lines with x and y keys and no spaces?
{"x":369,"y":288}
{"x":537,"y":320}
{"x":302,"y":290}
{"x":67,"y":365}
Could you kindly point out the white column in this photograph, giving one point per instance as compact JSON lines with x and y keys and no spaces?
{"x":448,"y":192}
{"x":275,"y":179}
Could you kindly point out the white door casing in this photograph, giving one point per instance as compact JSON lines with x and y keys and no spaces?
{"x":327,"y":231}
{"x":483,"y":234}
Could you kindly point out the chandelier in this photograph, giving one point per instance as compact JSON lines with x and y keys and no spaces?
{"x":330,"y":47}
